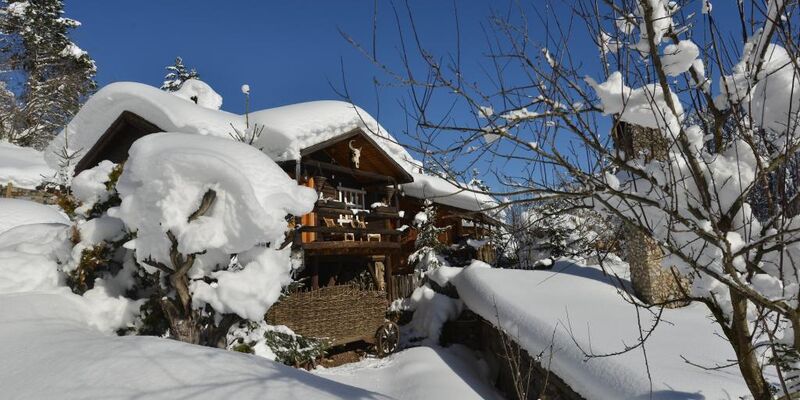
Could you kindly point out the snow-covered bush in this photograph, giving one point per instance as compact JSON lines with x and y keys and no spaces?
{"x":189,"y":230}
{"x":209,"y":216}
{"x":177,"y":74}
{"x":552,"y":229}
{"x":277,"y":343}
{"x":427,"y":247}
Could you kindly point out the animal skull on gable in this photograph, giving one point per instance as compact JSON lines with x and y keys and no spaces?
{"x":355,"y":154}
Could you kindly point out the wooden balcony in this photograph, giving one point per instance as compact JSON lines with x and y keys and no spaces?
{"x":348,"y":240}
{"x":329,"y":231}
{"x":337,"y":207}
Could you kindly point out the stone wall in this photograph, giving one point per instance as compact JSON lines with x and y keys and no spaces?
{"x":653,"y":283}
{"x":500,"y":352}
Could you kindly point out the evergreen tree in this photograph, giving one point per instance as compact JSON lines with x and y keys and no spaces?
{"x":48,"y":76}
{"x":427,"y":247}
{"x":178,"y":73}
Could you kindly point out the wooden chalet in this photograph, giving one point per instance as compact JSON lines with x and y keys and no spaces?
{"x":361,"y":221}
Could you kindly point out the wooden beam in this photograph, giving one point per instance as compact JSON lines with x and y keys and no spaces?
{"x":348,"y":170}
{"x":315,"y":274}
{"x":350,"y":248}
{"x":343,"y":229}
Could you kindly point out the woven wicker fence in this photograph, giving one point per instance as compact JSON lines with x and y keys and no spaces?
{"x":11,"y":191}
{"x":402,"y":285}
{"x":340,"y":314}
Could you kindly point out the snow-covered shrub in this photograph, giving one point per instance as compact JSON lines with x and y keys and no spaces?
{"x":552,"y":229}
{"x":427,"y":247}
{"x":208,"y":216}
{"x":177,"y":74}
{"x":433,"y":303}
{"x":184,"y":239}
{"x":95,"y":189}
{"x":277,"y":343}
{"x":97,"y":237}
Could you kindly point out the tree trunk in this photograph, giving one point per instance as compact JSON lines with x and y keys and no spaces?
{"x":182,"y":327}
{"x":740,"y":337}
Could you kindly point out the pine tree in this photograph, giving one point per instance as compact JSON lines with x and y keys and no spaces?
{"x":49,"y":75}
{"x":427,"y":247}
{"x":178,"y":73}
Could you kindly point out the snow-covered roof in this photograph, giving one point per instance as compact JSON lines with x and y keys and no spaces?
{"x":22,"y":166}
{"x":287,"y":131}
{"x":442,"y":191}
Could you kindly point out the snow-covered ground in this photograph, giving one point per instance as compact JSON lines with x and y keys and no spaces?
{"x":420,"y":373}
{"x":48,"y":351}
{"x":575,"y":305}
{"x":16,"y":212}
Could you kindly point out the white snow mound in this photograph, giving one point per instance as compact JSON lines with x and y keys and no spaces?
{"x":16,"y":212}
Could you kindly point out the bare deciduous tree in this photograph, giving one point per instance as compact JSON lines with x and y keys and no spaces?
{"x":685,"y":133}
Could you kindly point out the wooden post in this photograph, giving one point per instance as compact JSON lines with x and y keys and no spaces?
{"x":315,"y":274}
{"x":388,"y":277}
{"x":298,"y":219}
{"x":9,"y":190}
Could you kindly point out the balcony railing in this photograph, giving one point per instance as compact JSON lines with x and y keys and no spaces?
{"x":339,"y":226}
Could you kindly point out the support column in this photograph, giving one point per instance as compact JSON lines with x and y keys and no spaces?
{"x":387,"y":277}
{"x":315,"y":273}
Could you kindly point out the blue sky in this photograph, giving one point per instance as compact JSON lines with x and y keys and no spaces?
{"x":290,"y":51}
{"x":287,"y":52}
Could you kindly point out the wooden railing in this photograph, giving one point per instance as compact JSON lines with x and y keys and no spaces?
{"x":347,"y":229}
{"x":336,"y":208}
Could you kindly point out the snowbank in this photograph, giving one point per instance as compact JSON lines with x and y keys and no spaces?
{"x":48,"y":352}
{"x":16,"y":212}
{"x":24,"y":167}
{"x":533,"y":304}
{"x":287,"y":129}
{"x":420,"y":373}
